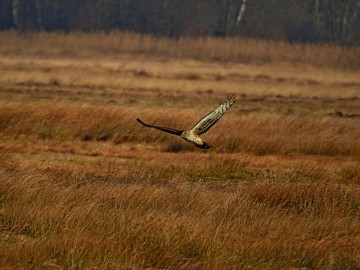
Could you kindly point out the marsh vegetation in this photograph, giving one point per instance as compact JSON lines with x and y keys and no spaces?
{"x":84,"y":186}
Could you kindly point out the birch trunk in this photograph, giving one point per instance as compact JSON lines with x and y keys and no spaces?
{"x":15,"y":12}
{"x":39,"y":15}
{"x":241,"y":12}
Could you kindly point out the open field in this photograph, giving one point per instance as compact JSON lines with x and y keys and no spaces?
{"x":84,"y":186}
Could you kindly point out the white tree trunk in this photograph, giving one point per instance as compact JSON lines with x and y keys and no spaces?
{"x":15,"y":12}
{"x":39,"y":15}
{"x":241,"y":12}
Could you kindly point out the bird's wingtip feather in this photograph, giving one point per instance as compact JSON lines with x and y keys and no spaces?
{"x":231,"y":97}
{"x":141,"y":122}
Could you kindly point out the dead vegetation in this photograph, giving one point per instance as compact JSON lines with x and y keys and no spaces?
{"x":114,"y":44}
{"x":83,"y":186}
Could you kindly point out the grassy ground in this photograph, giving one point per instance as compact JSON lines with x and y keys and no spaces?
{"x":84,"y":186}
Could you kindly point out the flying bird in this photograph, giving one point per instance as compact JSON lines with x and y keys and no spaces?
{"x":192,"y":135}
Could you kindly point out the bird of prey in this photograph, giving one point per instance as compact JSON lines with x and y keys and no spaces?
{"x":192,"y":135}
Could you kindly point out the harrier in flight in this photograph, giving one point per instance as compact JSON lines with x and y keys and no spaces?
{"x":201,"y":127}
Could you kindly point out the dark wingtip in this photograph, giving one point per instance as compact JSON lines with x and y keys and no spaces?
{"x":141,"y":122}
{"x":231,"y":97}
{"x":205,"y":145}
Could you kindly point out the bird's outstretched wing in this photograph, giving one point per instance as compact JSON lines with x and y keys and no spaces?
{"x":209,"y":120}
{"x":165,"y":129}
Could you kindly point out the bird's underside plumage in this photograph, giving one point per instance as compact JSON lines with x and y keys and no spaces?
{"x":201,"y":127}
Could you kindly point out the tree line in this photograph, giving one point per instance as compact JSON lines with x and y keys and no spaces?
{"x":290,"y":20}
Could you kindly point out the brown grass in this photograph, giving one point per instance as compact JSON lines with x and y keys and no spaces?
{"x":84,"y":186}
{"x":204,"y":48}
{"x":260,"y":133}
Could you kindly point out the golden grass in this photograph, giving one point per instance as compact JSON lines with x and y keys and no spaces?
{"x":115,"y":44}
{"x":260,"y":133}
{"x":82,"y":220}
{"x":84,"y":186}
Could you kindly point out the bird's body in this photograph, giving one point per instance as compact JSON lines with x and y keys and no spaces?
{"x":201,"y":127}
{"x":190,"y":136}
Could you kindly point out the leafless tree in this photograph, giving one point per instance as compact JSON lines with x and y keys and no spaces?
{"x":241,"y":12}
{"x":295,"y":21}
{"x":335,"y":19}
{"x":27,"y":15}
{"x":39,"y":15}
{"x":15,"y":12}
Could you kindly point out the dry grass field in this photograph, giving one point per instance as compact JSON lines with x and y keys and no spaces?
{"x":84,"y":186}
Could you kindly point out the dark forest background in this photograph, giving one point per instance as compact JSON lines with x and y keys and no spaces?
{"x":291,"y":20}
